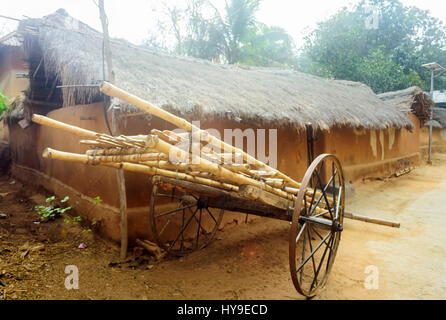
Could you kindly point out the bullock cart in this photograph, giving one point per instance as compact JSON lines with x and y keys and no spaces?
{"x":196,"y":178}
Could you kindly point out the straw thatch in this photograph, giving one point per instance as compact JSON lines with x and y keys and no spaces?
{"x":72,"y":52}
{"x":410,"y":100}
{"x":10,"y":40}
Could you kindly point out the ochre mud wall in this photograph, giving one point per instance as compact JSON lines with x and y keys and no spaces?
{"x":362,"y":153}
{"x":83,"y":183}
{"x":438,"y":140}
{"x":372,"y":153}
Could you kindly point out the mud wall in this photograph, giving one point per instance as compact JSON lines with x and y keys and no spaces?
{"x":438,"y":140}
{"x":362,"y":153}
{"x":84,"y":183}
{"x":372,"y":153}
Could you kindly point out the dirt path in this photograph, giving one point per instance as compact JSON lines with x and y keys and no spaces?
{"x":248,"y":261}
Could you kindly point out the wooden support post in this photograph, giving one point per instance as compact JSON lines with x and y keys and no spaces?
{"x":115,"y":131}
{"x":122,"y":196}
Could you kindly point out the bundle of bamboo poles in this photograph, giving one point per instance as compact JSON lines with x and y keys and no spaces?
{"x":188,"y":156}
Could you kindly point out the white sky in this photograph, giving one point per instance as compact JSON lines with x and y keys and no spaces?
{"x":133,"y":19}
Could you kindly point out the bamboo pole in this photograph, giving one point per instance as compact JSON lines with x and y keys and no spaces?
{"x":134,"y":158}
{"x":123,"y":152}
{"x":113,"y":91}
{"x":63,"y":126}
{"x":149,"y":140}
{"x":153,"y":171}
{"x":138,"y":168}
{"x":155,"y":143}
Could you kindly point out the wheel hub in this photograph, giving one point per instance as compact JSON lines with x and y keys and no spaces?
{"x":202,"y":203}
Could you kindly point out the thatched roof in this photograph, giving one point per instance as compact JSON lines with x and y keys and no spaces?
{"x":72,"y":51}
{"x":10,"y":40}
{"x":410,"y":100}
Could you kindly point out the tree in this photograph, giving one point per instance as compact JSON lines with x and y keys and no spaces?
{"x":269,"y":47}
{"x":382,"y":74}
{"x":345,"y":47}
{"x":235,"y":26}
{"x":231,"y":36}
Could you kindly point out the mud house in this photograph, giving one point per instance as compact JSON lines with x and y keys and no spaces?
{"x":65,"y":64}
{"x":417,"y":104}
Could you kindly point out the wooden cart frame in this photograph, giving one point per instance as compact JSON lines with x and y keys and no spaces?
{"x":314,"y":236}
{"x":189,"y":198}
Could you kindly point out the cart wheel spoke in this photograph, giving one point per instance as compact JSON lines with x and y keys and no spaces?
{"x":212,"y":216}
{"x":166,"y":225}
{"x":303,"y":253}
{"x":313,"y":252}
{"x":173,"y":211}
{"x":185,"y":228}
{"x":311,"y":249}
{"x":199,"y":228}
{"x":320,"y":198}
{"x":317,"y":233}
{"x":325,"y":195}
{"x":321,"y":262}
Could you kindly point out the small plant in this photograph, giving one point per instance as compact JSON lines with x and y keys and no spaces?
{"x":97,"y":200}
{"x":3,"y":103}
{"x":51,"y":210}
{"x":78,"y":220}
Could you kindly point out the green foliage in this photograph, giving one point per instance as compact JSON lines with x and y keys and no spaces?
{"x":97,"y":200}
{"x":51,"y":210}
{"x":231,"y":36}
{"x":77,"y":220}
{"x":269,"y":47}
{"x":383,"y":74}
{"x":387,"y":58}
{"x":3,"y":103}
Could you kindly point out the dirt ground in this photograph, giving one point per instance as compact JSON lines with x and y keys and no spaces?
{"x":247,"y":261}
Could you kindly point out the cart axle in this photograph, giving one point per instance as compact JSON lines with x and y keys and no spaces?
{"x":324,"y":223}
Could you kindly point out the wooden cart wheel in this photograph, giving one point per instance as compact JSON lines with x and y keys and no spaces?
{"x":317,"y":225}
{"x":182,"y":222}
